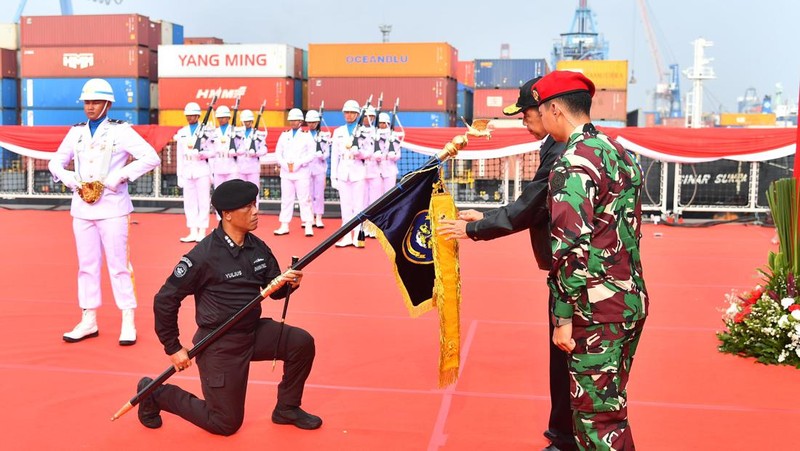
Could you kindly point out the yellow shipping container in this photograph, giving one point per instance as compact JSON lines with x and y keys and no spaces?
{"x":747,"y":119}
{"x":388,"y":59}
{"x":605,"y":74}
{"x":269,"y":118}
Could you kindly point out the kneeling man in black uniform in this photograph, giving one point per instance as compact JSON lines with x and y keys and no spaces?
{"x":225,"y":271}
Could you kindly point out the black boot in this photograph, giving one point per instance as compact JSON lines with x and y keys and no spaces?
{"x":297,"y":417}
{"x":149,"y":412}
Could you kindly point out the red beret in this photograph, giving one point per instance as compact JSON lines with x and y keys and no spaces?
{"x":559,"y":83}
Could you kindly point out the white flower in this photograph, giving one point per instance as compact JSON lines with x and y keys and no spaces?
{"x":783,"y":321}
{"x":732,"y":310}
{"x":796,"y":315}
{"x":783,"y":356}
{"x":786,"y":302}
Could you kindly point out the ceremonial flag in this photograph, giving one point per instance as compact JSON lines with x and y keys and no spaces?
{"x":426,"y":266}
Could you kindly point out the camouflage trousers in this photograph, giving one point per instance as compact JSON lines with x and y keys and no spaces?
{"x":599,"y":369}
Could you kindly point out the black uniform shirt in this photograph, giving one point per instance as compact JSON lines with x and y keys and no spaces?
{"x":223,"y":278}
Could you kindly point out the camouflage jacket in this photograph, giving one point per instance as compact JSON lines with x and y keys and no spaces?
{"x":596,"y":212}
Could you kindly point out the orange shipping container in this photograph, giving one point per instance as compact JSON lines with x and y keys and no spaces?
{"x":747,"y":119}
{"x":59,"y":62}
{"x":610,"y":106}
{"x":202,"y":41}
{"x":434,"y":59}
{"x":466,"y":73}
{"x":605,"y":74}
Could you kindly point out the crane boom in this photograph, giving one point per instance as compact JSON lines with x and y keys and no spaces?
{"x":66,"y":9}
{"x":651,"y":40}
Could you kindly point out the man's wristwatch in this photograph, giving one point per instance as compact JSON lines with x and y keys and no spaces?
{"x":562,"y":321}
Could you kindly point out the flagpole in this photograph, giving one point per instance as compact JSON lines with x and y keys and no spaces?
{"x":450,"y":150}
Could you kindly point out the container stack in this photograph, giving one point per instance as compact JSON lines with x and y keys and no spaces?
{"x":9,"y":86}
{"x":610,"y":78}
{"x":465,"y":76}
{"x":421,"y":75}
{"x":56,"y":60}
{"x":497,"y":83}
{"x":255,"y":72}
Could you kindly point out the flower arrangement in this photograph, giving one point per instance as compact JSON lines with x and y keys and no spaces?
{"x":765,"y":323}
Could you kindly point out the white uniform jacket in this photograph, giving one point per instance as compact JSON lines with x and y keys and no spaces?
{"x":192,"y":163}
{"x":347,"y":164}
{"x":322,"y":150}
{"x":294,"y":152}
{"x":247,"y":160}
{"x":103,"y":157}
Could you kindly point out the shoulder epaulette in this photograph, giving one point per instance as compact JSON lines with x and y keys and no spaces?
{"x":79,"y":124}
{"x":116,"y":121}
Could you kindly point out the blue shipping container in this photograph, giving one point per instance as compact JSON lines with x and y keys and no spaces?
{"x":507,"y":73}
{"x":8,"y":117}
{"x":63,"y":93}
{"x":9,"y":91}
{"x":298,"y":93}
{"x":177,"y":34}
{"x":464,"y":103}
{"x":406,"y":118}
{"x":74,"y":116}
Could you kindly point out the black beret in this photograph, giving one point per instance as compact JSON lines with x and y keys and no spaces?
{"x":234,"y":194}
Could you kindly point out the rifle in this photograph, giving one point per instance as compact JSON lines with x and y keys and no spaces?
{"x":232,"y":125}
{"x":359,"y":120}
{"x":199,"y":131}
{"x":255,"y":127}
{"x":391,"y":124}
{"x":377,"y":121}
{"x":318,"y":138}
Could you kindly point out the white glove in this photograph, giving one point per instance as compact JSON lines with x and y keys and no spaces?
{"x":232,"y":152}
{"x":113,"y":181}
{"x":181,"y":182}
{"x":70,"y":180}
{"x":335,"y":183}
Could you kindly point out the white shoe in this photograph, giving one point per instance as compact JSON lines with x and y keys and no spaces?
{"x":190,"y":238}
{"x":318,"y":223}
{"x":309,"y":230}
{"x":282,"y":230}
{"x":87,"y":328}
{"x":127,"y":333}
{"x":201,"y":233}
{"x":344,"y":242}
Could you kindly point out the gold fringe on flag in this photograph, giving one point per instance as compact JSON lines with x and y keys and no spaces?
{"x":446,"y":287}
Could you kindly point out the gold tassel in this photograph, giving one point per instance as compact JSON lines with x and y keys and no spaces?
{"x":446,"y":287}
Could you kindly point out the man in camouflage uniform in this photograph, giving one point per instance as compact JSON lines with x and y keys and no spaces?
{"x":596,"y":278}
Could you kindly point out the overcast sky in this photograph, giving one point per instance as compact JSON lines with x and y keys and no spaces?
{"x":755,"y":43}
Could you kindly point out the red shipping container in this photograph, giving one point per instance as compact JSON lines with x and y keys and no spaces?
{"x":153,"y":65}
{"x":466,"y":73}
{"x":94,"y":30}
{"x":610,"y":105}
{"x":154,"y":35}
{"x":298,"y":63}
{"x":120,"y":61}
{"x":489,"y":103}
{"x":174,"y":93}
{"x":415,"y":93}
{"x":8,"y":63}
{"x":202,"y":41}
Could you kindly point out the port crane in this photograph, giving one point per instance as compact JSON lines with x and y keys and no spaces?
{"x":583,"y":42}
{"x":667,"y":97}
{"x":66,"y":7}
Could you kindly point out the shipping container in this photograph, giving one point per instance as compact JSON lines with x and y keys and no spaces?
{"x":435,"y":59}
{"x":298,"y":63}
{"x":614,"y":124}
{"x":679,"y":122}
{"x":229,"y":60}
{"x":84,"y":30}
{"x":298,"y":94}
{"x":747,"y":120}
{"x":9,"y":36}
{"x":154,"y":34}
{"x":507,"y":73}
{"x":610,"y":106}
{"x":167,"y":33}
{"x":153,"y":96}
{"x":9,"y":116}
{"x":305,"y":65}
{"x":9,"y":93}
{"x":176,"y":118}
{"x":58,"y":62}
{"x":202,"y":41}
{"x":304,"y":103}
{"x":63,"y":93}
{"x":74,"y":116}
{"x":8,"y":63}
{"x":489,"y":103}
{"x":415,"y":93}
{"x":10,"y":160}
{"x":177,"y":34}
{"x":152,"y":64}
{"x":466,"y":73}
{"x":605,"y":74}
{"x":279,"y":93}
{"x":464,"y":102}
{"x":405,"y":118}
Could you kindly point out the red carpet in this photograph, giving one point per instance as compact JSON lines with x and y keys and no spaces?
{"x":374,"y":380}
